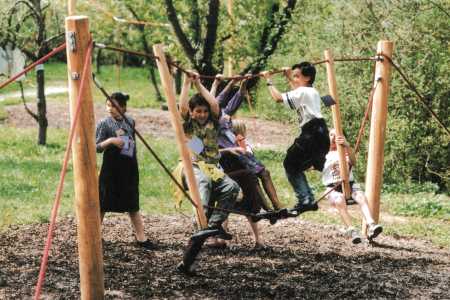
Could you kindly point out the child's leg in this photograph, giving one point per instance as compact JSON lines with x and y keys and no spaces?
{"x":298,"y":159}
{"x":338,"y":200}
{"x":204,"y":185}
{"x":264,"y":202}
{"x":224,"y":193}
{"x":138,"y":225}
{"x":301,"y":187}
{"x":360,"y":198}
{"x":256,"y":232}
{"x":269,"y":188}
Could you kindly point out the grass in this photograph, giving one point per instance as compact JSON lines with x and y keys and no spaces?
{"x":30,"y":174}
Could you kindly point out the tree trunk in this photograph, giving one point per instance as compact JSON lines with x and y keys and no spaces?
{"x":41,"y":107}
{"x":155,"y":84}
{"x":98,"y":61}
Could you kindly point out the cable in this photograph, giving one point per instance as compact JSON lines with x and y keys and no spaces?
{"x":414,"y":89}
{"x":39,"y":61}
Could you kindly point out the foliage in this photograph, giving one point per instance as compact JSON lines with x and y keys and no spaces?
{"x":416,"y":147}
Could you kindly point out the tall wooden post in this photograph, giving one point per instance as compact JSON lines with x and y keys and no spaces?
{"x":229,"y":64}
{"x":375,"y":164}
{"x":84,"y":162}
{"x":71,"y":4}
{"x":343,"y":165}
{"x":167,"y":84}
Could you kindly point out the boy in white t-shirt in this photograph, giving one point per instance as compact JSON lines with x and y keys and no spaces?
{"x":312,"y":145}
{"x":331,"y":176}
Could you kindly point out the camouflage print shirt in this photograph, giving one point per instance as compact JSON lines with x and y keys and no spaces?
{"x":208,"y":134}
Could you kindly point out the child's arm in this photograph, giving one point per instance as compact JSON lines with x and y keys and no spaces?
{"x":215,"y":110}
{"x":112,"y":141}
{"x":184,"y":95}
{"x":288,"y":73}
{"x":215,"y":84}
{"x":233,"y":150}
{"x":340,"y":140}
{"x":276,"y":95}
{"x":223,"y":94}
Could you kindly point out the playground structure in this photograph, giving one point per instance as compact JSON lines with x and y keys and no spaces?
{"x":78,"y":48}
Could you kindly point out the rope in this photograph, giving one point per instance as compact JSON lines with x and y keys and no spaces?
{"x":39,"y":61}
{"x":233,"y":77}
{"x":141,"y":138}
{"x":366,"y":115}
{"x":59,"y":190}
{"x":413,"y":88}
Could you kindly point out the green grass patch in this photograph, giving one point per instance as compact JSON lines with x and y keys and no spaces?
{"x":426,"y":205}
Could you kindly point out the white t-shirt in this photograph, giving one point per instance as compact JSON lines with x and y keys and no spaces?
{"x":330,"y":173}
{"x":306,"y":101}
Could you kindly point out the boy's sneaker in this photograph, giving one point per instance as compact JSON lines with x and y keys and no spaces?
{"x":223,"y":234}
{"x":373,"y":230}
{"x":300,"y":208}
{"x":204,"y":234}
{"x":354,"y":235}
{"x":147,"y":245}
{"x":190,"y":271}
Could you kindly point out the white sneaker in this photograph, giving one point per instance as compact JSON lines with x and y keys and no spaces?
{"x":373,"y":230}
{"x":354,"y":235}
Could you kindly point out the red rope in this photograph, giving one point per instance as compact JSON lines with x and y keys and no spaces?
{"x":366,"y":117}
{"x":59,"y":190}
{"x":39,"y":61}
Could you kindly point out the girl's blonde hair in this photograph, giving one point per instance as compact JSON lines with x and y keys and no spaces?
{"x":239,"y":127}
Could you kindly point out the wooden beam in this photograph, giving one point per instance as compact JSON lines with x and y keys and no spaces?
{"x":87,"y":203}
{"x":175,"y":118}
{"x":71,"y":4}
{"x":375,"y":164}
{"x":343,"y":165}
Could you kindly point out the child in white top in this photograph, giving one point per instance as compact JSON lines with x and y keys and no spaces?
{"x":331,"y":177}
{"x":311,"y":146}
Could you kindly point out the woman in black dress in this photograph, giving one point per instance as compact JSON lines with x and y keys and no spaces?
{"x":119,"y":174}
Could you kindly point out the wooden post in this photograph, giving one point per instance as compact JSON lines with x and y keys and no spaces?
{"x":229,"y":64}
{"x":71,"y":4}
{"x":343,"y":165}
{"x":84,"y":162}
{"x":167,"y":84}
{"x":374,"y":173}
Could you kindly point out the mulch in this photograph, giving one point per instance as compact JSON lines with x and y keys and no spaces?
{"x":303,"y":260}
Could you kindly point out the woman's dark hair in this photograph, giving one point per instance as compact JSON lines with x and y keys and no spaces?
{"x":307,"y":69}
{"x":121,"y":98}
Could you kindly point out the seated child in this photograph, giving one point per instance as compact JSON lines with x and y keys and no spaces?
{"x":253,"y":164}
{"x":331,"y":177}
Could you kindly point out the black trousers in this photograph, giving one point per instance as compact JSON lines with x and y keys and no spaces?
{"x":309,"y":149}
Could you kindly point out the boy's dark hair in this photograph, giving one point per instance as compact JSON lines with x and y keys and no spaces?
{"x":121,"y":98}
{"x":198,"y":100}
{"x":307,"y":69}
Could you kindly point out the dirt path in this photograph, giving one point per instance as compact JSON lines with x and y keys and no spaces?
{"x":305,"y":260}
{"x":157,"y":123}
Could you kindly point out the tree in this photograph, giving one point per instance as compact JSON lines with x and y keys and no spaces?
{"x":27,"y":29}
{"x":203,"y":50}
